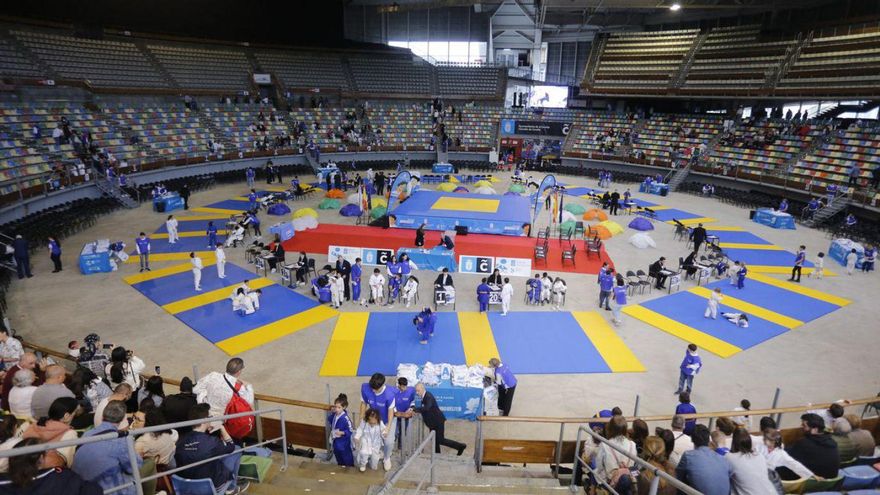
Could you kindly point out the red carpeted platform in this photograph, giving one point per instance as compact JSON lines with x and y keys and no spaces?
{"x":317,"y":241}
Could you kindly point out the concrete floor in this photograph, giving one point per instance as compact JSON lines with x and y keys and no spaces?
{"x":830,"y":358}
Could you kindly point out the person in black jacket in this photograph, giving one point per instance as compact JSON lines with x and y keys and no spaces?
{"x":21,"y":252}
{"x":420,"y":236}
{"x":184,"y":195}
{"x":198,"y":445}
{"x":343,"y":267}
{"x":176,"y":407}
{"x":444,"y":279}
{"x":435,"y":420}
{"x":817,"y":450}
{"x":698,"y":236}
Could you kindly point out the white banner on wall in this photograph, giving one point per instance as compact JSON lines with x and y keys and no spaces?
{"x":514,"y":267}
{"x":347,"y":252}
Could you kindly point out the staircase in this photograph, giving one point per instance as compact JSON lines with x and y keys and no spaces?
{"x":688,"y":60}
{"x":679,"y":176}
{"x":592,"y":64}
{"x":346,"y":69}
{"x":154,"y":62}
{"x":791,"y":56}
{"x":570,"y":138}
{"x":836,"y":110}
{"x":217,"y":133}
{"x":838,"y":204}
{"x":453,"y":475}
{"x":21,"y":48}
{"x":435,"y":80}
{"x":8,"y":263}
{"x":113,"y":190}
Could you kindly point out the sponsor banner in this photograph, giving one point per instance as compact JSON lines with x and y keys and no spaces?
{"x":476,"y":264}
{"x":534,"y":127}
{"x":263,"y":78}
{"x":347,"y":252}
{"x":376,"y":257}
{"x":514,"y":267}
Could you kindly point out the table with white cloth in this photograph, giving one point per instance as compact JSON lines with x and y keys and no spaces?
{"x":773,"y":218}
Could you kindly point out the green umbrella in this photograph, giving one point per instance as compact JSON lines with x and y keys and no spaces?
{"x":329,"y":204}
{"x":517,"y":188}
{"x":574,"y":208}
{"x":377,"y":212}
{"x":566,"y":227}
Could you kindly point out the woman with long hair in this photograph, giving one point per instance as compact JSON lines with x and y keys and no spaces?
{"x":88,"y":388}
{"x":125,"y":367}
{"x":159,"y":445}
{"x":55,"y":427}
{"x":28,"y":475}
{"x":152,"y":389}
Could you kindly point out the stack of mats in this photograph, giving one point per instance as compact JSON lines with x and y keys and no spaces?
{"x":529,"y":342}
{"x":282,"y":311}
{"x":773,"y":307}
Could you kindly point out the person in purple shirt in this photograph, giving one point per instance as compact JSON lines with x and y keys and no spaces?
{"x":606,"y":285}
{"x":375,"y":395}
{"x":690,"y":366}
{"x":252,"y":200}
{"x":403,"y":403}
{"x":142,"y":243}
{"x":618,"y":299}
{"x":685,"y":407}
{"x":799,"y":260}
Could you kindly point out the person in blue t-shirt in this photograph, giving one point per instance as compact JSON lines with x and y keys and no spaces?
{"x":404,"y":404}
{"x":606,"y":286}
{"x":506,"y":381}
{"x":249,"y":174}
{"x":425,"y":322}
{"x":142,"y":243}
{"x":376,"y":395}
{"x":685,"y":407}
{"x":55,"y":253}
{"x":690,"y":366}
{"x":483,"y":291}
{"x":799,"y":260}
{"x":252,"y":200}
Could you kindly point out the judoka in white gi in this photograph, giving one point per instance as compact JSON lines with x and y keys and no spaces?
{"x":197,"y":270}
{"x":506,"y":295}
{"x":221,"y":261}
{"x":712,"y":306}
{"x":171,"y":227}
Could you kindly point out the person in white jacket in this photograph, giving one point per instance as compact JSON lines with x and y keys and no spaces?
{"x":215,"y":388}
{"x":171,"y":227}
{"x":197,"y":270}
{"x":748,"y":469}
{"x":559,"y":289}
{"x":410,"y":290}
{"x":377,"y":287}
{"x":221,"y":260}
{"x":369,"y":441}
{"x":337,"y":289}
{"x":777,"y":457}
{"x":506,"y":296}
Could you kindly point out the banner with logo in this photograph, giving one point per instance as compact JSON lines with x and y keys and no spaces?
{"x":514,"y":267}
{"x":376,"y":257}
{"x":511,"y":127}
{"x":368,"y":256}
{"x":476,"y":264}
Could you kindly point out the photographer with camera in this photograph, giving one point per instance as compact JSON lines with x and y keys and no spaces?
{"x":125,"y":367}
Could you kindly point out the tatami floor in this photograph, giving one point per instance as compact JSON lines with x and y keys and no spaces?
{"x":831,"y":355}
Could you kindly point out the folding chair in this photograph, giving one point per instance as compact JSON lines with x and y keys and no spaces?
{"x":594,"y":246}
{"x":541,"y":252}
{"x":569,"y":254}
{"x":645,"y":281}
{"x":632,"y":283}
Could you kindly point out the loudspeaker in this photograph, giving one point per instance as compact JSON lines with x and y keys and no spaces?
{"x":752,"y":214}
{"x":461,"y":229}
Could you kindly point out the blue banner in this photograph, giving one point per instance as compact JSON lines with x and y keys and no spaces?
{"x":548,"y":182}
{"x":402,"y":178}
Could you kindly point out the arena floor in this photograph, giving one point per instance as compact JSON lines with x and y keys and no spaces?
{"x":830,"y":357}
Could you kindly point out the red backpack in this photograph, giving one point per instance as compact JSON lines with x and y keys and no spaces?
{"x":238,"y":428}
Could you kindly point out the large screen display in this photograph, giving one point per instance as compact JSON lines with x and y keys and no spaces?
{"x":549,"y":96}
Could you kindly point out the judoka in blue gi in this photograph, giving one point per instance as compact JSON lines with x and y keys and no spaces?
{"x":212,"y":234}
{"x":534,"y":290}
{"x":252,"y":200}
{"x":340,"y":431}
{"x":356,"y":271}
{"x":425,"y":322}
{"x":741,"y":276}
{"x":393,"y":288}
{"x":483,"y":291}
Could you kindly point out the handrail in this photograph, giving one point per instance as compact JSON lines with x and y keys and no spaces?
{"x":658,"y":473}
{"x":129,"y":436}
{"x":431,"y":438}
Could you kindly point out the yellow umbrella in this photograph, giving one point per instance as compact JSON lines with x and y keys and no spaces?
{"x":446,"y":187}
{"x":612,"y":227}
{"x":452,"y":178}
{"x":378,"y":201}
{"x":305,"y":212}
{"x":494,"y":179}
{"x":482,"y":183}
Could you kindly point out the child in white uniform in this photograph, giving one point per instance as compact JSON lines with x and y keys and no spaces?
{"x":546,"y":288}
{"x":377,"y":286}
{"x":739,"y":319}
{"x":221,"y":261}
{"x":559,"y":289}
{"x":818,"y":267}
{"x":851,"y":260}
{"x":506,"y":296}
{"x":369,"y":441}
{"x":171,"y":227}
{"x":197,"y":270}
{"x":410,"y":290}
{"x":337,"y":289}
{"x":712,"y":307}
{"x":490,"y":397}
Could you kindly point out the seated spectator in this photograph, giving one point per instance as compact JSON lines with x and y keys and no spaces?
{"x":10,"y":349}
{"x":87,"y":387}
{"x":639,"y":433}
{"x":199,"y":444}
{"x":682,"y":441}
{"x":817,"y":450}
{"x":152,"y":389}
{"x":654,"y":452}
{"x":21,"y":394}
{"x":767,"y":423}
{"x":122,"y":392}
{"x":107,"y":463}
{"x":176,"y":407}
{"x":28,"y":361}
{"x":51,"y":389}
{"x":10,"y":435}
{"x":703,"y":469}
{"x":158,"y":445}
{"x":834,"y":411}
{"x":29,"y":475}
{"x":215,"y":389}
{"x":846,"y":448}
{"x":685,"y":407}
{"x":719,"y":442}
{"x":748,"y":469}
{"x":608,"y":460}
{"x":778,"y":459}
{"x":139,"y":418}
{"x":726,"y":427}
{"x":863,"y":439}
{"x":55,"y":428}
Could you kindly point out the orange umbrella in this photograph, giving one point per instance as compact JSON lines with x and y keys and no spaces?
{"x":595,"y":214}
{"x":335,"y":194}
{"x":599,"y":231}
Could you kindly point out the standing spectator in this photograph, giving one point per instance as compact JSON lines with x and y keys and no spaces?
{"x":862,"y":439}
{"x":435,"y":420}
{"x":748,"y":469}
{"x":609,"y":460}
{"x":107,"y":463}
{"x":51,"y":389}
{"x":690,"y":366}
{"x":506,"y":381}
{"x":702,"y":468}
{"x":55,"y":253}
{"x":249,"y":174}
{"x":816,"y":450}
{"x":184,"y":195}
{"x":685,"y":407}
{"x":142,"y":243}
{"x":376,"y":395}
{"x":21,"y":253}
{"x":216,"y":388}
{"x":606,"y":287}
{"x":10,"y":349}
{"x":125,"y":367}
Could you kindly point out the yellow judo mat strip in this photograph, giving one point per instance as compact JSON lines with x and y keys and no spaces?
{"x":187,"y":234}
{"x":726,"y":228}
{"x":741,"y":245}
{"x":800,"y":289}
{"x":162,"y":272}
{"x":212,"y":296}
{"x":684,"y":332}
{"x":656,"y":208}
{"x":694,"y":221}
{"x":344,"y":352}
{"x":205,"y":209}
{"x":750,"y":309}
{"x":783,"y":270}
{"x":283,"y":327}
{"x":614,"y":351}
{"x":205,"y":255}
{"x":477,"y":338}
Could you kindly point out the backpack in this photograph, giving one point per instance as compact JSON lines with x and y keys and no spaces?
{"x":238,"y":428}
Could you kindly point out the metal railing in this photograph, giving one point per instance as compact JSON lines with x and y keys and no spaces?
{"x":431,"y":440}
{"x":129,"y":437}
{"x":644,"y":465}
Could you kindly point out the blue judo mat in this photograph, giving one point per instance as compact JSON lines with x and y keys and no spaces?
{"x":392,"y":339}
{"x":481,"y":213}
{"x":582,"y":191}
{"x":184,"y":225}
{"x":217,"y":322}
{"x":180,"y":285}
{"x":667,"y":215}
{"x":183,"y":245}
{"x":231,"y":204}
{"x":784,"y":302}
{"x":688,"y":308}
{"x":737,"y":237}
{"x":545,"y":343}
{"x":763,"y":257}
